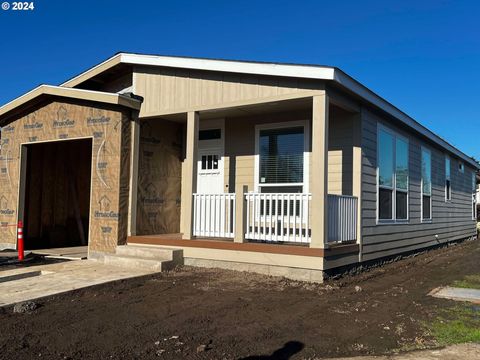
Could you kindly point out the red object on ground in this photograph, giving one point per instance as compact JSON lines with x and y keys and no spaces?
{"x":21,"y":254}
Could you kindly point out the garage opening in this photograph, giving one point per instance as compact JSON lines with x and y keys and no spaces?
{"x":57,"y":194}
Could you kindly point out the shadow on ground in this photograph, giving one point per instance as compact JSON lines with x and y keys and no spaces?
{"x":284,"y":353}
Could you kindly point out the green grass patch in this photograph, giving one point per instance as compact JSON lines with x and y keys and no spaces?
{"x":459,"y":324}
{"x":468,"y":282}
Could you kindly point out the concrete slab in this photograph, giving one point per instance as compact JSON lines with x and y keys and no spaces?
{"x":34,"y":282}
{"x":69,"y":253}
{"x":458,"y":294}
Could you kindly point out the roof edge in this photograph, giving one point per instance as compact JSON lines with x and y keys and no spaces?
{"x":233,"y":66}
{"x":326,"y":73}
{"x":93,"y":71}
{"x":50,"y":90}
{"x":368,"y":95}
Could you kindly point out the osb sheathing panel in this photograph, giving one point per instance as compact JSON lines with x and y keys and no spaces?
{"x":159,"y":177}
{"x":65,"y":120}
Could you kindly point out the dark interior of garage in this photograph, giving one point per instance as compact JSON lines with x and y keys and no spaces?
{"x":57,"y":194}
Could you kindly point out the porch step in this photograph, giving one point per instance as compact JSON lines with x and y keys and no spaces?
{"x":150,"y":252}
{"x":145,"y":258}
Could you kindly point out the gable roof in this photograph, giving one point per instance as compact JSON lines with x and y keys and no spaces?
{"x":72,"y":93}
{"x":233,"y":66}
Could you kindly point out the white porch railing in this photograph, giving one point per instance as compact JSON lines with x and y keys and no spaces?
{"x":342,"y":218}
{"x":273,"y":217}
{"x":214,"y":215}
{"x":282,"y":217}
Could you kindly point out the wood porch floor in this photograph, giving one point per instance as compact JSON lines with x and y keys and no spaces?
{"x":228,"y":244}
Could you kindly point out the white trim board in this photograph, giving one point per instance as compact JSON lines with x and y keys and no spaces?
{"x":306,"y":152}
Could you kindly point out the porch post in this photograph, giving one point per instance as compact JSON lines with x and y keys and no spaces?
{"x":240,"y":214}
{"x":319,"y":172}
{"x":357,"y":174}
{"x":189,"y":174}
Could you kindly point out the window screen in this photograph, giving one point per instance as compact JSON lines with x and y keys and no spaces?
{"x":385,"y":201}
{"x":426,"y":203}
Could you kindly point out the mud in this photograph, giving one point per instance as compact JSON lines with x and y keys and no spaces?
{"x":215,"y":314}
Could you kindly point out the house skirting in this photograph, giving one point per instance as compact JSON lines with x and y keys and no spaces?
{"x":292,"y":262}
{"x":300,"y":274}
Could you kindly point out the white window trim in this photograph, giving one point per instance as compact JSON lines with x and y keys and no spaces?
{"x":395,"y":135}
{"x":306,"y":153}
{"x":461,"y":167}
{"x":430,"y":219}
{"x":448,"y":199}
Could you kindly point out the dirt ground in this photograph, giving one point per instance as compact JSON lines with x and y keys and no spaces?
{"x":241,"y":316}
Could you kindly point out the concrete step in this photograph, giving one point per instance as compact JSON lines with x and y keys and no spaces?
{"x":138,"y":263}
{"x":150,"y":252}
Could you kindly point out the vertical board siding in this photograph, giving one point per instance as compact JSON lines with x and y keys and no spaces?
{"x":451,"y":220}
{"x":171,"y":90}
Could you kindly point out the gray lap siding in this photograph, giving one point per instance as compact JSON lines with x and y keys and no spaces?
{"x":450,"y":220}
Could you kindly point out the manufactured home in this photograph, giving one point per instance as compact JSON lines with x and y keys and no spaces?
{"x":282,"y":169}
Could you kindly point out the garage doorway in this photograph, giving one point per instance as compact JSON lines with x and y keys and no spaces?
{"x":55,"y":193}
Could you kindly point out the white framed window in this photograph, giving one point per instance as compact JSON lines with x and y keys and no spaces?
{"x":426,"y":203}
{"x":474,"y":196}
{"x":392,"y":177}
{"x":281,"y":160}
{"x":461,"y":167}
{"x":448,"y":181}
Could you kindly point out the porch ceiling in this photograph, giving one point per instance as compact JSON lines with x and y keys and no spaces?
{"x":253,"y":109}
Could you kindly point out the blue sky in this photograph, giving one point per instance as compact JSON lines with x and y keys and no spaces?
{"x":423,"y":56}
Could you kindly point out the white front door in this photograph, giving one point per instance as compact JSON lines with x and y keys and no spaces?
{"x":210,"y":171}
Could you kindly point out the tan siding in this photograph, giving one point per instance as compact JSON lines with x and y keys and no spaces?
{"x":340,"y":154}
{"x":175,"y":90}
{"x":240,"y":145}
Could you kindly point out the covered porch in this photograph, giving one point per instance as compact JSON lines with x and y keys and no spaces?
{"x":262,"y":174}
